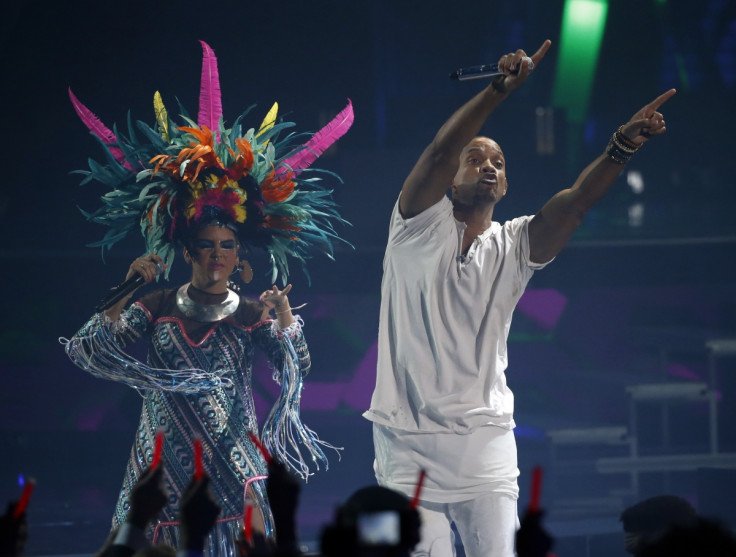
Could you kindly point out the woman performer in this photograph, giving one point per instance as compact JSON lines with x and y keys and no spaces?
{"x":210,"y":194}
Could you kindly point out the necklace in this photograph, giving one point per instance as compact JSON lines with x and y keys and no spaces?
{"x":207,"y":313}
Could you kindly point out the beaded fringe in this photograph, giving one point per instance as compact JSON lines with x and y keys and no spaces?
{"x":96,"y":350}
{"x":284,"y":434}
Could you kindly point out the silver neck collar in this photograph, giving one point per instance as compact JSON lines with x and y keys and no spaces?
{"x":207,"y":313}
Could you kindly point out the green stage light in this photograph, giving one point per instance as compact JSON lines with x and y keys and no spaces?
{"x":583,"y":22}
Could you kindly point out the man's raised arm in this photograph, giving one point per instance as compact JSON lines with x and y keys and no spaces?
{"x":433,"y":173}
{"x":553,"y":225}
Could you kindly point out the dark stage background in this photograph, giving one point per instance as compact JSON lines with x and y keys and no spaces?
{"x":646,"y":282}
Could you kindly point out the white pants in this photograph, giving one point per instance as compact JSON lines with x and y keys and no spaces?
{"x":487,"y":526}
{"x":471,"y":481}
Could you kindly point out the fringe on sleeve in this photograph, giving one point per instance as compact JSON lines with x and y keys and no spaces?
{"x":284,"y":434}
{"x":98,"y":349}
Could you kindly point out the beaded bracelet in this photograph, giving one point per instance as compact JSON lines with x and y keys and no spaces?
{"x":625,"y":141}
{"x":620,"y":148}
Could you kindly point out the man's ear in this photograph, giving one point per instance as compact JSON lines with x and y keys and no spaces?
{"x":187,"y":257}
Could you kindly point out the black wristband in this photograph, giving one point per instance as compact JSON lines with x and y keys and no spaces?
{"x":498,"y":86}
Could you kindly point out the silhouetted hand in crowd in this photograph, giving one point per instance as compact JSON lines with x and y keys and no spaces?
{"x":706,"y":537}
{"x":283,"y":498}
{"x":13,"y":532}
{"x":147,"y":498}
{"x":158,"y":550}
{"x":104,"y":550}
{"x":258,"y":546}
{"x":146,"y":501}
{"x":197,"y":515}
{"x":532,"y":540}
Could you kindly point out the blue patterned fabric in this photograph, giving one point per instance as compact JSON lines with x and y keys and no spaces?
{"x":194,"y":388}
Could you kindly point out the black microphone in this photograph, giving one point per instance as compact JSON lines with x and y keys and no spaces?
{"x":120,"y":291}
{"x":483,"y":71}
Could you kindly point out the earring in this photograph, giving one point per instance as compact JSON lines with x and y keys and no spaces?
{"x":233,"y":286}
{"x":246,"y":271}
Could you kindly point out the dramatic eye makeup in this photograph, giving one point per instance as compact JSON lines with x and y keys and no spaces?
{"x":204,"y":244}
{"x":210,"y":245}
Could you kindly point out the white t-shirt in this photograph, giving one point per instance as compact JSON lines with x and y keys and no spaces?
{"x":444,"y":322}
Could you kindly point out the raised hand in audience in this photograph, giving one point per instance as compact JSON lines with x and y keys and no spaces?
{"x":197,"y":515}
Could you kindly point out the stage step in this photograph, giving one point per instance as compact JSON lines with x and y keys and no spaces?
{"x":663,"y":392}
{"x":722,"y":346}
{"x":616,"y":435}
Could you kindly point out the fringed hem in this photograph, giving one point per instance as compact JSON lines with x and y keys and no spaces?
{"x":222,"y":540}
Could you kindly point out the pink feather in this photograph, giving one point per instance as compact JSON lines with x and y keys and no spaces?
{"x":210,"y":98}
{"x":320,"y":142}
{"x":99,"y":129}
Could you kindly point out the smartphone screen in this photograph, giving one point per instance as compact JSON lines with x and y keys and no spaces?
{"x":379,"y":528}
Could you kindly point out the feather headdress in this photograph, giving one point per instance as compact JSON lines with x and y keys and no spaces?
{"x":169,"y":179}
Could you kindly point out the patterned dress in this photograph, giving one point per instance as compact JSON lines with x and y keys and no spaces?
{"x":197,"y":383}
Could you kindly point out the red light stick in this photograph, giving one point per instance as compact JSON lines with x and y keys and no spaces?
{"x":198,"y":470}
{"x":257,"y":443}
{"x":418,"y":490}
{"x":158,"y":450}
{"x":248,"y":520}
{"x":536,"y":489}
{"x":20,"y":508}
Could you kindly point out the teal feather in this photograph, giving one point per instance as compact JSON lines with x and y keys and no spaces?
{"x":190,"y":123}
{"x":132,"y":139}
{"x":152,"y":136}
{"x":236,"y":124}
{"x":182,"y":111}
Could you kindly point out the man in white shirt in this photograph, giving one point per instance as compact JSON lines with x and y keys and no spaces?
{"x":452,"y":278}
